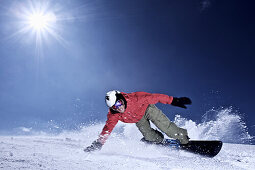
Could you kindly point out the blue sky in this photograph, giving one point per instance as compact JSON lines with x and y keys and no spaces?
{"x":200,"y":49}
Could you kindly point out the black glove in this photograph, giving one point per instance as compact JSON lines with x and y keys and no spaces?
{"x":95,"y":146}
{"x":181,"y":102}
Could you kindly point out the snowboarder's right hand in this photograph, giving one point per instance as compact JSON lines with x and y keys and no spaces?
{"x":96,"y":145}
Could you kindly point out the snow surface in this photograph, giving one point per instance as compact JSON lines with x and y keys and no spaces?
{"x":123,"y":149}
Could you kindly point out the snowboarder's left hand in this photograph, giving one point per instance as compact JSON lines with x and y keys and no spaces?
{"x":181,"y":102}
{"x":96,"y":145}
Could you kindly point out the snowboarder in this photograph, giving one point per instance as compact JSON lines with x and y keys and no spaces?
{"x":139,"y":108}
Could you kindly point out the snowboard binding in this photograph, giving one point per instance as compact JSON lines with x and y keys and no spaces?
{"x":166,"y":142}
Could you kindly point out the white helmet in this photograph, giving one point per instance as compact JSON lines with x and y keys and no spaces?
{"x":111,"y":97}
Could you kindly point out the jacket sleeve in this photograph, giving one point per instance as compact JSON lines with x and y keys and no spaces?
{"x":112,"y":120}
{"x":153,"y":98}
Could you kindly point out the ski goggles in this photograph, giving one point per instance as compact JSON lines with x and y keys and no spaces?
{"x":117,"y":105}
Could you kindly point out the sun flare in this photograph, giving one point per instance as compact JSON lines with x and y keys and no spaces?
{"x":40,"y":22}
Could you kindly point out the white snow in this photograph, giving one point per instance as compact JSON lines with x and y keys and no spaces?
{"x":123,"y":150}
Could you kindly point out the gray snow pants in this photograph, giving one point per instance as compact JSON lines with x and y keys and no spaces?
{"x":158,"y":118}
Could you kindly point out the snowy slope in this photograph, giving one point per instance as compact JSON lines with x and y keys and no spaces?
{"x":123,"y":150}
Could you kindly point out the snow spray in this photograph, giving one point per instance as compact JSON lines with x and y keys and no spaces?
{"x":217,"y":124}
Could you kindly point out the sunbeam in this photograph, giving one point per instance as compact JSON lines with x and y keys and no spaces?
{"x":37,"y":20}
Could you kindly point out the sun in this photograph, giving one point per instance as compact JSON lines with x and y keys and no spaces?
{"x":40,"y":21}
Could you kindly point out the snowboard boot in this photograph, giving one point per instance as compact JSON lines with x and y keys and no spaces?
{"x":173,"y":143}
{"x":151,"y":142}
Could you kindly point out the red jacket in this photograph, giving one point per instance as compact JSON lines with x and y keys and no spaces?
{"x":137,"y":104}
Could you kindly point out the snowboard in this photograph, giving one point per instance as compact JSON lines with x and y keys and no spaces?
{"x":207,"y":148}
